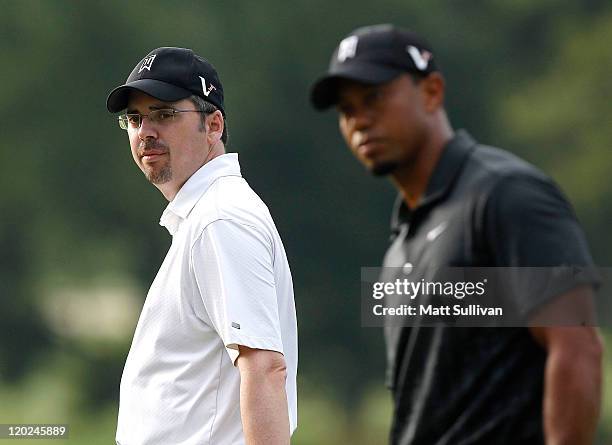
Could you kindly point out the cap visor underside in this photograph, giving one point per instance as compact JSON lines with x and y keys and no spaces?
{"x":118,"y":98}
{"x":324,"y":92}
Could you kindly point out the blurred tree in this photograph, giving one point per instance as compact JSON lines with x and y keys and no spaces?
{"x":564,"y":115}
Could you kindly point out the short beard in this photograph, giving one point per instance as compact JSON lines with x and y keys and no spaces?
{"x":383,"y":169}
{"x":156,"y":175}
{"x":160,"y":176}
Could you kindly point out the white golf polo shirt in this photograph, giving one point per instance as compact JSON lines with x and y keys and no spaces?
{"x":224,"y":282}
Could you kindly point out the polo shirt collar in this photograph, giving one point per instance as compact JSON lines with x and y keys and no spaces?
{"x":443,"y":177}
{"x":448,"y":168}
{"x":190,"y":193}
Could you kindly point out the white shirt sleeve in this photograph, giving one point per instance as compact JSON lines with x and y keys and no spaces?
{"x":233,"y":264}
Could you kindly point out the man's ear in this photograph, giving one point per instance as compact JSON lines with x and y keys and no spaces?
{"x":433,"y":88}
{"x":214,"y":127}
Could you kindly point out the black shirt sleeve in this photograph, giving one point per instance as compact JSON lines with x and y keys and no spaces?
{"x":531,"y":229}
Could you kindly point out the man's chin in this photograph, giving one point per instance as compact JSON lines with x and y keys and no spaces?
{"x":383,"y":168}
{"x":159,"y":176}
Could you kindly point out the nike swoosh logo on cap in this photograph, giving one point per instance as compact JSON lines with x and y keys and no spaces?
{"x":418,"y":59}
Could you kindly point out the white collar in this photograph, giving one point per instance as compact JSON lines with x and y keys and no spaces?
{"x":189,"y":194}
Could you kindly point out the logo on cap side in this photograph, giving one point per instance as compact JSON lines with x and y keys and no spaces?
{"x":347,"y":48}
{"x":421,"y":60}
{"x":205,"y":90}
{"x":147,"y":62}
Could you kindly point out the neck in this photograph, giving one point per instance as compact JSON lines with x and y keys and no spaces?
{"x":412,"y":178}
{"x":171,"y":188}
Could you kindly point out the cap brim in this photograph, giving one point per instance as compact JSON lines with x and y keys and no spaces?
{"x":324,"y":92}
{"x":118,"y":98}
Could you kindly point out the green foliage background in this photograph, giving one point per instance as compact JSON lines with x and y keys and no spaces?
{"x":79,"y":242}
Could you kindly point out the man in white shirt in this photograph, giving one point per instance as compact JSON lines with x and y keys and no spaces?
{"x":214,"y":355}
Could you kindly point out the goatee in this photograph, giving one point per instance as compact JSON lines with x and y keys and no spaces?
{"x":383,"y":169}
{"x":156,"y":175}
{"x":159,"y":176}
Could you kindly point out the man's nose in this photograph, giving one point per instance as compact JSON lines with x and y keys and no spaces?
{"x":147,"y":128}
{"x":362,"y":119}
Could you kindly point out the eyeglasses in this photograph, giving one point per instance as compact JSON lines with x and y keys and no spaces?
{"x":162,"y":116}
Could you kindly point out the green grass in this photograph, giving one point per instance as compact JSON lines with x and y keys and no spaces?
{"x":48,"y":395}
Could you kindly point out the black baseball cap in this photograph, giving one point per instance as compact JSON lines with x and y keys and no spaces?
{"x":170,"y":74}
{"x":373,"y":54}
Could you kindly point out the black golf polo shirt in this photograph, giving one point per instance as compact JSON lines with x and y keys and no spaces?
{"x":457,"y":386}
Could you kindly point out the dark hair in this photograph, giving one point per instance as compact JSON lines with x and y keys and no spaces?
{"x":207,"y":108}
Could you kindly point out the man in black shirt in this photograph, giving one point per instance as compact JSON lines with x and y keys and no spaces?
{"x":464,"y":204}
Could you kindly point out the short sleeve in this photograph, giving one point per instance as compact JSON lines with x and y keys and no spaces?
{"x":233,"y":264}
{"x":531,"y":228}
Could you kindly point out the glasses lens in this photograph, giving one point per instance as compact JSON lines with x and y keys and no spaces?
{"x":134,"y":120}
{"x":162,"y":116}
{"x":123,"y":122}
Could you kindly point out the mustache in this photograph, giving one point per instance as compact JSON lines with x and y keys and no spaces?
{"x":151,"y":144}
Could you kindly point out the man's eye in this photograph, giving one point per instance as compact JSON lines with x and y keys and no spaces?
{"x":345,"y":109}
{"x":163,"y":115}
{"x":133,"y":118}
{"x":373,"y":96}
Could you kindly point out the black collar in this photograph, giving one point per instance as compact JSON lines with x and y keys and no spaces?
{"x":445,"y":174}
